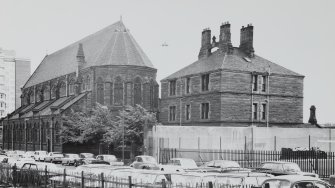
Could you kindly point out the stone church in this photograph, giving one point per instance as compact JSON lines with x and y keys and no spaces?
{"x":107,"y":67}
{"x":232,"y":86}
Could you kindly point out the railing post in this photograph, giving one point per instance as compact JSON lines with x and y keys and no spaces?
{"x":102,"y":180}
{"x":64,"y":177}
{"x":46,"y":176}
{"x":14,"y":175}
{"x":163,"y":183}
{"x":82,"y":179}
{"x":210,"y":184}
{"x":129,"y":181}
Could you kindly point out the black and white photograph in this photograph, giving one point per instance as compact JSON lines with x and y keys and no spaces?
{"x":167,"y":94}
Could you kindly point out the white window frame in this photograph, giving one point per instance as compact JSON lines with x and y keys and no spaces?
{"x":209,"y":110}
{"x":189,"y":112}
{"x":175,"y":113}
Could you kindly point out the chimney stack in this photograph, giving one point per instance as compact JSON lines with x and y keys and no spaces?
{"x":206,"y":46}
{"x":246,"y":40}
{"x":225,"y":38}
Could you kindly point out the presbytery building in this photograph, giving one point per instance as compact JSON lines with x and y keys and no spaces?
{"x":107,"y":67}
{"x":232,"y":86}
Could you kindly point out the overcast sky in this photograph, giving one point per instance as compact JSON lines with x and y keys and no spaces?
{"x":299,"y":35}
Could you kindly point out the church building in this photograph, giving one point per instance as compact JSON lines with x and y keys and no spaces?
{"x":107,"y":67}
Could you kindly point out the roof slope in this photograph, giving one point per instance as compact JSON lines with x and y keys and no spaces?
{"x":113,"y":45}
{"x":232,"y":62}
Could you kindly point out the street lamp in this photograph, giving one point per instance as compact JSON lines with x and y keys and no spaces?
{"x":123,"y":138}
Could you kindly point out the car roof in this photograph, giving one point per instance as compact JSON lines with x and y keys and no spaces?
{"x":181,"y":159}
{"x":294,"y":178}
{"x":279,"y":162}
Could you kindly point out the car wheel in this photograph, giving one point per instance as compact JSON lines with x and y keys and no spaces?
{"x":162,"y":169}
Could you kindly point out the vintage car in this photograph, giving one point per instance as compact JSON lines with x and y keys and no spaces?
{"x":93,"y":161}
{"x":145,"y":162}
{"x":279,"y":168}
{"x":70,"y":159}
{"x":29,"y":154}
{"x":111,"y":159}
{"x":293,"y":181}
{"x":179,"y":165}
{"x":40,"y":155}
{"x":54,"y":157}
{"x":221,"y":164}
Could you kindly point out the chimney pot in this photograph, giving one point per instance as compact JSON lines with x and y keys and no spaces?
{"x":206,"y":46}
{"x":246,"y":40}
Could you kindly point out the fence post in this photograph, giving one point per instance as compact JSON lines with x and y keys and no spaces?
{"x":14,"y":175}
{"x":129,"y":180}
{"x":163,"y":183}
{"x":64,"y":177}
{"x":82,"y":179}
{"x":210,"y":184}
{"x":46,"y":176}
{"x":102,"y":180}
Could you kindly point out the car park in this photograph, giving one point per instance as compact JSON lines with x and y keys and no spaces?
{"x":70,"y":159}
{"x":278,"y":168}
{"x":145,"y":162}
{"x":40,"y":155}
{"x":179,"y":165}
{"x":294,"y":181}
{"x":111,"y":159}
{"x":54,"y":157}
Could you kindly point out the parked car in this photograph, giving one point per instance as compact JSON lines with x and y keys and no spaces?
{"x":219,"y":179}
{"x":145,"y":162}
{"x":179,"y":165}
{"x":40,"y":155}
{"x":221,"y":164}
{"x":294,"y":181}
{"x":54,"y":157}
{"x":93,"y":161}
{"x":29,"y":154}
{"x":70,"y":159}
{"x":279,"y":168}
{"x":111,"y":159}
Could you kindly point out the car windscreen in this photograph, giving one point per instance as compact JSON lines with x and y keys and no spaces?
{"x":276,"y":184}
{"x":227,"y":164}
{"x":291,"y":167}
{"x":149,"y":159}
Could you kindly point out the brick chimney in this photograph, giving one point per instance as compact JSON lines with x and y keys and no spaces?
{"x":206,"y":46}
{"x":225,"y":38}
{"x":80,"y":58}
{"x":246,"y":40}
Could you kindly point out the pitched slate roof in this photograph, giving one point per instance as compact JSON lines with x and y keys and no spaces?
{"x":113,"y":45}
{"x":231,"y":62}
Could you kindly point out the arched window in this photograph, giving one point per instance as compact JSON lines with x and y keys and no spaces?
{"x":100,"y":91}
{"x":31,"y":97}
{"x":72,"y":87}
{"x":54,"y":92}
{"x":118,"y":91}
{"x":137,"y":91}
{"x":57,"y":133}
{"x":62,"y":89}
{"x":46,"y":92}
{"x":88,"y":83}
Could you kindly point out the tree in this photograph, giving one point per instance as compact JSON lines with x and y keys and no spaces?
{"x":130,"y":122}
{"x":101,"y":125}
